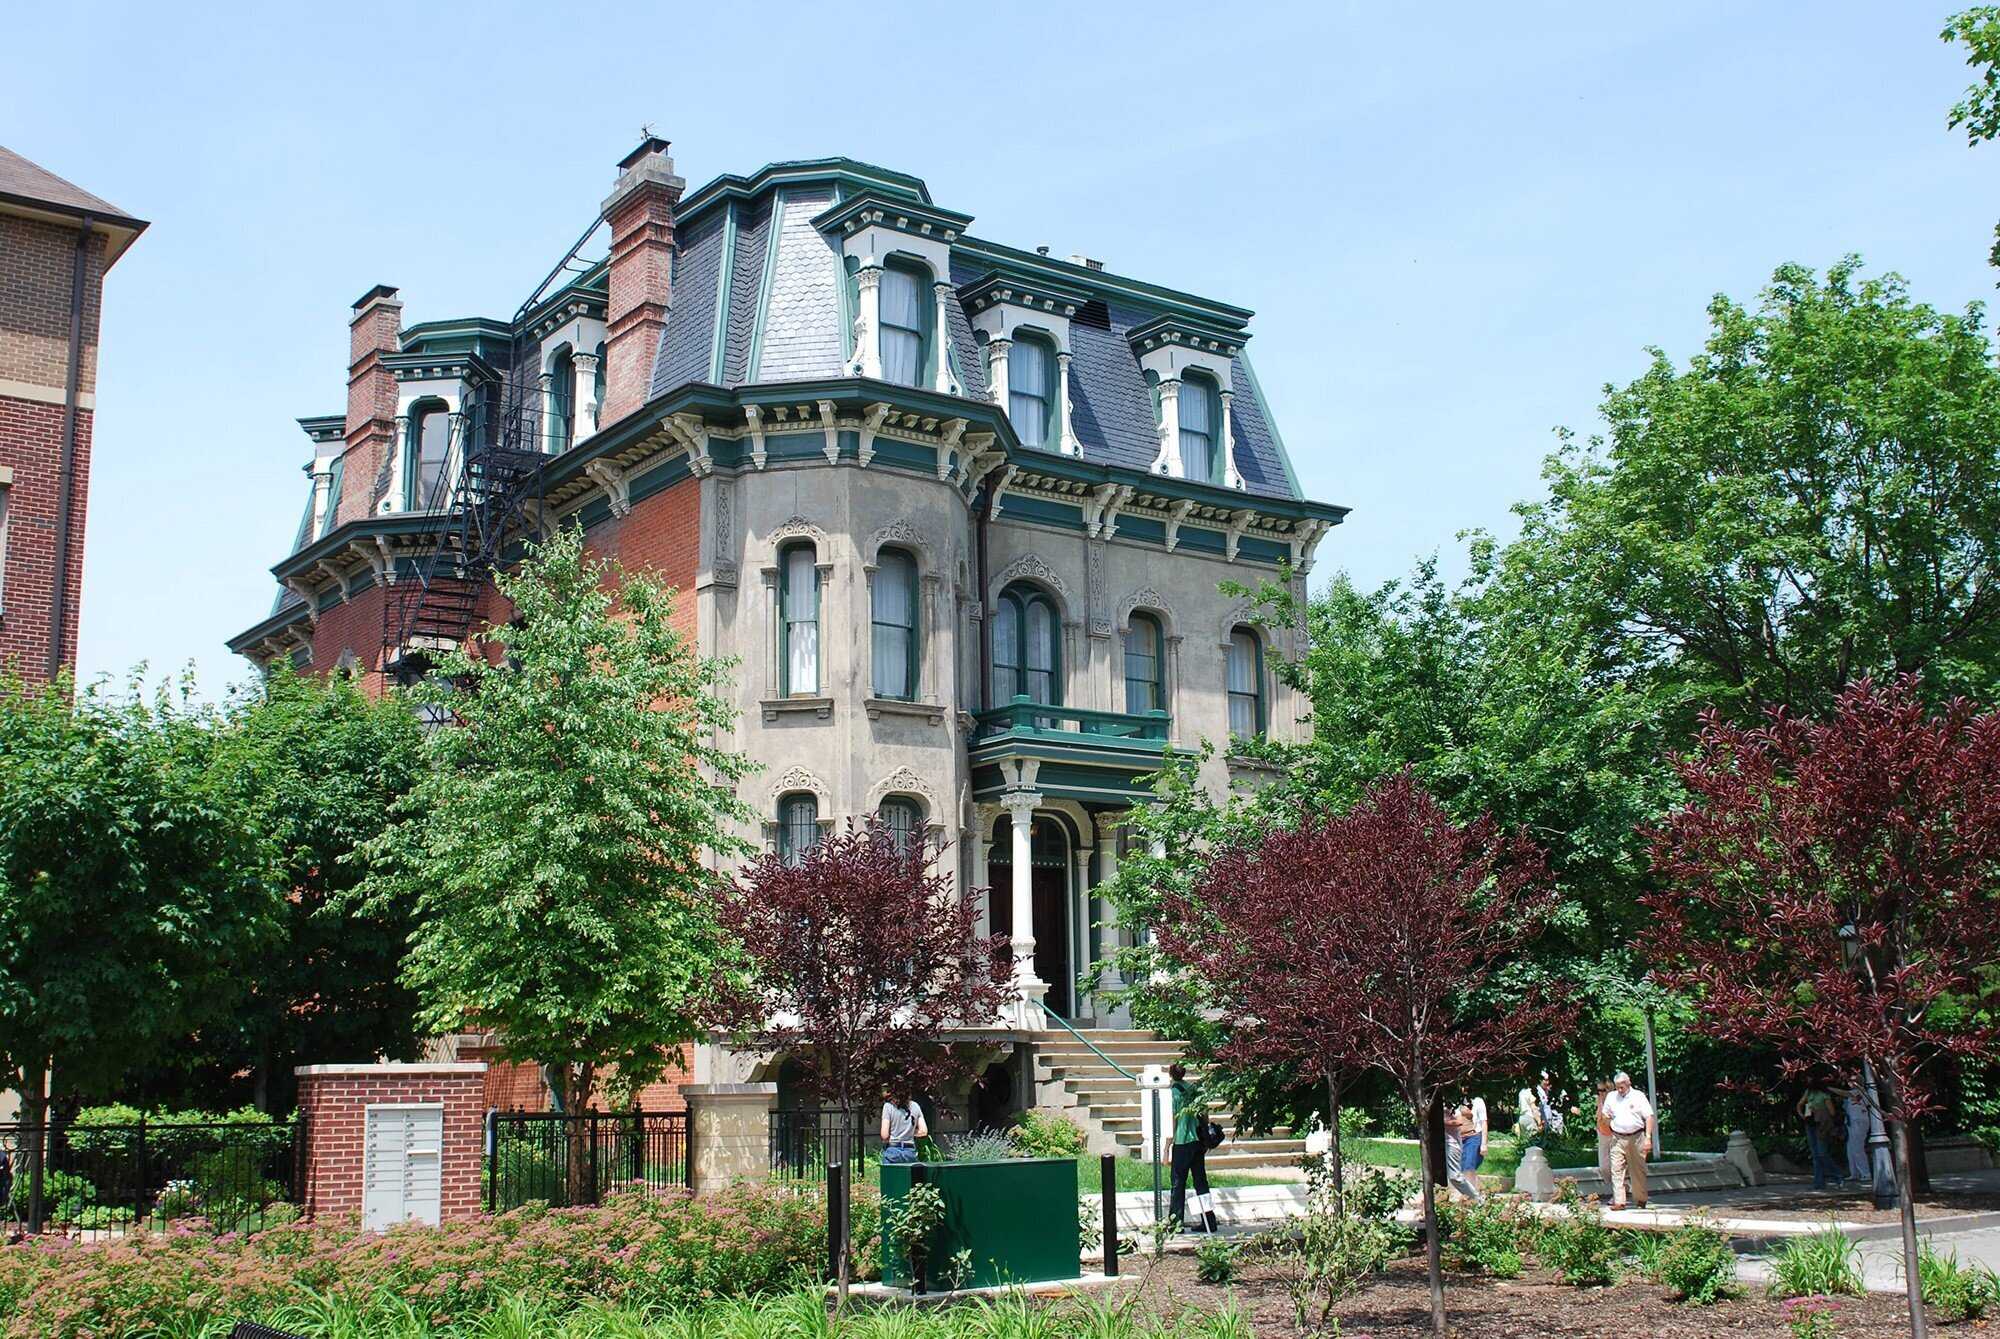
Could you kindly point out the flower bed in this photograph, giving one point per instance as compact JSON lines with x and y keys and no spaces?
{"x":636,"y":1252}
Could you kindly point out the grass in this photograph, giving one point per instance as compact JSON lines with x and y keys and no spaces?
{"x":1503,"y":1155}
{"x":1133,"y":1174}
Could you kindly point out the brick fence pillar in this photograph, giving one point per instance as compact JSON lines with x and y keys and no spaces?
{"x":730,"y":1124}
{"x":335,"y":1101}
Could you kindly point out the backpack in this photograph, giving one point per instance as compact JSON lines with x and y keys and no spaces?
{"x":1212,"y":1135}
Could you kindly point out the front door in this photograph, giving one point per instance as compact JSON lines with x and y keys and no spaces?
{"x":1049,"y":886}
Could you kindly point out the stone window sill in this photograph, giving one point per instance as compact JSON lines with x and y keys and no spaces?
{"x":1240,"y":763}
{"x":878,"y":707}
{"x":775,"y":707}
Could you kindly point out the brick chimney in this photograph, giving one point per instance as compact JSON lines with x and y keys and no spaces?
{"x":376,"y":329}
{"x":641,"y":213}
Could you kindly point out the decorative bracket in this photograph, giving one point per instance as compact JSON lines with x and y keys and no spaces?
{"x":753,"y":418}
{"x":831,"y":428}
{"x":954,"y":429}
{"x":1174,"y":520}
{"x":691,"y":430}
{"x":616,"y":485}
{"x":871,"y":423}
{"x":1239,"y":521}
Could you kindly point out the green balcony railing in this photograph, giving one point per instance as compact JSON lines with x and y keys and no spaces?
{"x":1026,"y":719}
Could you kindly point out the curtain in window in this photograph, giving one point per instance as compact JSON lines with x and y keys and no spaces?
{"x":900,"y":818}
{"x":895,"y":616}
{"x":1197,"y":428}
{"x":1142,"y":665}
{"x":562,"y":406}
{"x":1006,"y":651}
{"x":902,"y":299}
{"x":1041,"y":650}
{"x":1028,"y":391}
{"x":433,"y":436}
{"x":1246,"y":691}
{"x":801,"y":620}
{"x":798,"y":827}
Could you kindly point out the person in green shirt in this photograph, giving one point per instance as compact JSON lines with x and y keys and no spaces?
{"x":1190,"y":1153}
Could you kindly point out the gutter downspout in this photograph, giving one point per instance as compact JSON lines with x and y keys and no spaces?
{"x":66,"y":475}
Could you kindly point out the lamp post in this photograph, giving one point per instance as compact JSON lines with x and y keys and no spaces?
{"x":1882,"y":1173}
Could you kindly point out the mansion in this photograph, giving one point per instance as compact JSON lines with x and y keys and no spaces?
{"x":961,"y":513}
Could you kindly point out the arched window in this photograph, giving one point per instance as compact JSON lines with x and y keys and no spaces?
{"x":904,"y":821}
{"x":894,"y":606}
{"x":906,"y":320}
{"x":1031,"y":389}
{"x":798,"y":826}
{"x":424,"y":484}
{"x":1026,"y":656}
{"x":1246,"y":684}
{"x":562,"y":401}
{"x":1143,"y":679}
{"x":1198,"y":421}
{"x":798,"y":620}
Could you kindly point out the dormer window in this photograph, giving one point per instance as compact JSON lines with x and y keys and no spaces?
{"x":1198,"y":428}
{"x":1031,"y":388}
{"x":903,"y":324}
{"x":424,"y":484}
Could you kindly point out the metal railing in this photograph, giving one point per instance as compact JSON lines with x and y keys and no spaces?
{"x":1025,"y":716}
{"x":570,"y":1160}
{"x":1090,"y":1045}
{"x":146,"y":1174}
{"x":805,"y":1139}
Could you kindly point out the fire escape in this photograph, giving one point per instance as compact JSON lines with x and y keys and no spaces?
{"x":495,"y":501}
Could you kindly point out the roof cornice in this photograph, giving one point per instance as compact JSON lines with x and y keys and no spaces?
{"x":877,"y":208}
{"x":849,"y":171}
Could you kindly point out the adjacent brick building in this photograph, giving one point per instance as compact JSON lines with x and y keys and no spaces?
{"x":56,"y":243}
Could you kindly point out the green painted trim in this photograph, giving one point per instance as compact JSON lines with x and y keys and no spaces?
{"x":324,"y":427}
{"x":339,"y":537}
{"x":1271,"y":422}
{"x":1016,"y":261}
{"x":595,"y":281}
{"x":334,"y":476}
{"x":843,"y":171}
{"x":277,"y":622}
{"x":719,"y":330}
{"x":943,"y":225}
{"x":772,"y":230}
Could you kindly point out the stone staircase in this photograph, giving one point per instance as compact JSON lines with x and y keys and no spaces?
{"x":1073,"y":1078}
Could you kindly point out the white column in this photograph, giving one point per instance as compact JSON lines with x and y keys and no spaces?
{"x":996,"y":369}
{"x":584,"y":396}
{"x":945,"y":383}
{"x":545,"y":381}
{"x":1020,"y":808}
{"x":1107,"y":870}
{"x":1065,"y":436}
{"x":322,"y":485}
{"x":867,"y":361}
{"x":1169,"y":461}
{"x":1231,"y":476}
{"x":982,"y":855}
{"x":399,"y":455}
{"x":1080,"y":957}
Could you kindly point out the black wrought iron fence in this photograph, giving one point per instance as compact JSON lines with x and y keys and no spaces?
{"x":569,"y":1160}
{"x":805,"y":1139}
{"x":239,"y":1176}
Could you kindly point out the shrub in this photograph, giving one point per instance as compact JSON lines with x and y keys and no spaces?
{"x":1479,"y":1238}
{"x":1815,"y":1317}
{"x":1958,"y":1291}
{"x":1818,"y":1264}
{"x":1643,"y":1250}
{"x":1376,"y":1194}
{"x":977,"y":1146}
{"x":1577,"y":1244}
{"x":1045,"y":1134}
{"x":1215,"y":1262}
{"x":1698,"y":1265}
{"x":1354,"y":1124}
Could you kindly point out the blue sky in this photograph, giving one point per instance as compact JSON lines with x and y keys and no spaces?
{"x":1455,"y":225}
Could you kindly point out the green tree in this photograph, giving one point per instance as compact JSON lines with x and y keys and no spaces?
{"x":318,"y":765}
{"x":554,"y":852}
{"x":1814,"y":498}
{"x":1978,"y":112}
{"x":133,"y":885}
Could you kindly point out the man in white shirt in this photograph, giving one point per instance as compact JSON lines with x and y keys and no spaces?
{"x":1630,"y":1115}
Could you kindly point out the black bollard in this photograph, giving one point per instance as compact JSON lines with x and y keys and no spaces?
{"x":1108,"y":1181}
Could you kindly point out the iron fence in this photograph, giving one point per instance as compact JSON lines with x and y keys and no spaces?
{"x":569,"y":1160}
{"x":114,"y":1177}
{"x":805,"y":1139}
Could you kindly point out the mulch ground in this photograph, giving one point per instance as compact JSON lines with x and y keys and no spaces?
{"x":1850,"y":1204}
{"x":1535,"y":1306}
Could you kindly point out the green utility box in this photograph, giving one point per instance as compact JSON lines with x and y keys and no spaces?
{"x":1018,"y":1217}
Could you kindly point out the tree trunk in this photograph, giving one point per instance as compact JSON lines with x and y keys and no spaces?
{"x":1333,"y":1150}
{"x":581,"y":1185}
{"x":850,"y":1138}
{"x":1899,"y":1144}
{"x":1434,"y":1126}
{"x":1433,"y":1253}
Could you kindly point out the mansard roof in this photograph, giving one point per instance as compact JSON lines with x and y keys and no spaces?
{"x":759,"y":298}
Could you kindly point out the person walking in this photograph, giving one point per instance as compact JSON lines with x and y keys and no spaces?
{"x":1630,"y":1114}
{"x":902,"y":1126}
{"x":1528,"y":1121}
{"x":1546,"y":1108}
{"x":1821,"y":1116}
{"x":1190,"y":1153}
{"x":1603,"y":1132}
{"x":1457,"y":1125}
{"x":1859,"y":1165}
{"x":1475,"y":1141}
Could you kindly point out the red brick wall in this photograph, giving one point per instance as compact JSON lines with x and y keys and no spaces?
{"x":661,"y":536}
{"x":334,"y":1100}
{"x":355,"y":625}
{"x":377,"y":329}
{"x":515,"y":1086}
{"x":35,"y":281}
{"x":642,"y":240}
{"x":31,"y":447}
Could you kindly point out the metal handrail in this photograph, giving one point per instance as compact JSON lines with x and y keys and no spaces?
{"x":1148,"y":727}
{"x":1067,"y":1027}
